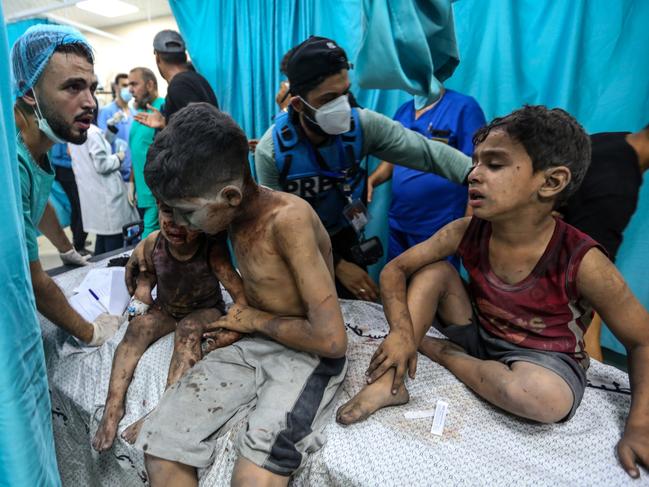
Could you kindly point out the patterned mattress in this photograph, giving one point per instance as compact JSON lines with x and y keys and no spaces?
{"x":480,"y":445}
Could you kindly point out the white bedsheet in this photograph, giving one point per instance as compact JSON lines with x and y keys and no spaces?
{"x":480,"y":445}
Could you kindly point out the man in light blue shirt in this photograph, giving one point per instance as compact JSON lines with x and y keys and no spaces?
{"x":122,"y":122}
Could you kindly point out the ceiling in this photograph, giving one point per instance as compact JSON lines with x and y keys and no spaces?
{"x":148,"y":9}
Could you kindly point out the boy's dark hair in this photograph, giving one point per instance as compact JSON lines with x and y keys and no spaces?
{"x":174,"y":58}
{"x":551,"y":137}
{"x":77,"y":48}
{"x":200,"y":151}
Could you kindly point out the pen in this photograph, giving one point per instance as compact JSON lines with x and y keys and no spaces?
{"x":92,"y":293}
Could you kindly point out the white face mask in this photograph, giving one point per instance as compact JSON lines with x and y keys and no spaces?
{"x":44,"y":125}
{"x":333,"y":117}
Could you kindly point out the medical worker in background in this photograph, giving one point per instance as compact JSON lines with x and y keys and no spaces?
{"x":422,"y":203}
{"x":144,"y":88}
{"x":116,"y":118}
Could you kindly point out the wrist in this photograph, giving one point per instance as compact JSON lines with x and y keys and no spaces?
{"x":638,"y":418}
{"x":259,"y":319}
{"x":86,"y":333}
{"x":65,"y":247}
{"x":404,"y":332}
{"x":340,"y":264}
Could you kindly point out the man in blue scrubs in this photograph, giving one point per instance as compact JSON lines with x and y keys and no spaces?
{"x":423,"y":202}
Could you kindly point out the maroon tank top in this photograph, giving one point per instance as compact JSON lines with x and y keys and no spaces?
{"x":544,"y":311}
{"x":185,"y":286}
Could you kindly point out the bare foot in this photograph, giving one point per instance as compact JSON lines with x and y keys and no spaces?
{"x":105,"y":435}
{"x":436,"y":348}
{"x":131,"y":433}
{"x":371,"y":398}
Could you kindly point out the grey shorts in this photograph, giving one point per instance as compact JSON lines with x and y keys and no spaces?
{"x":479,"y":343}
{"x":288,"y":396}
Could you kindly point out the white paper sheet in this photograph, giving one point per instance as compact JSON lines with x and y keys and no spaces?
{"x":108,"y":285}
{"x":87,"y":306}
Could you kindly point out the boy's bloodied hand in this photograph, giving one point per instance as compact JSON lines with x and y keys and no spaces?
{"x":140,"y":261}
{"x":218,"y":338}
{"x":633,"y":448}
{"x":398,"y":350}
{"x":240,"y":318}
{"x":136,"y":264}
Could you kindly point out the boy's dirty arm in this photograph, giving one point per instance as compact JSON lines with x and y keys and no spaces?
{"x":601,"y":284}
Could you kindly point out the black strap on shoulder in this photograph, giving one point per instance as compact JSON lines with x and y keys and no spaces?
{"x":288,"y":161}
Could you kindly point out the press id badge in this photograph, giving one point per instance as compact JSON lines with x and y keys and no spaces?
{"x":357,"y":215}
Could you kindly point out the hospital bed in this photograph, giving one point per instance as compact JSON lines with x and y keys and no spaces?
{"x":480,"y":445}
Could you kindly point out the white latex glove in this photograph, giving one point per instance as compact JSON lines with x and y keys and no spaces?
{"x":137,"y":307}
{"x":116,"y":118}
{"x":104,"y":326}
{"x":131,"y":193}
{"x":72,"y":257}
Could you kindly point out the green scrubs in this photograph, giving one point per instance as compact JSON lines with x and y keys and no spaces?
{"x":35,"y":188}
{"x":140,"y":138}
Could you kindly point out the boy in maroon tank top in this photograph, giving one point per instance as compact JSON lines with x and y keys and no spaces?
{"x":186,"y":266}
{"x":516,"y":329}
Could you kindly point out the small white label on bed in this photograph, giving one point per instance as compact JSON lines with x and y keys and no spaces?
{"x":439,"y":418}
{"x":427,"y":413}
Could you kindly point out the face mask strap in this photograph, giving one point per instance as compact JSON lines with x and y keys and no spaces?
{"x":313,"y":110}
{"x":43,"y":124}
{"x":38,"y":112}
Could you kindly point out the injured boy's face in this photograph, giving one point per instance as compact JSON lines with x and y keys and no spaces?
{"x":210,"y":214}
{"x":176,"y":235}
{"x":502,"y":181}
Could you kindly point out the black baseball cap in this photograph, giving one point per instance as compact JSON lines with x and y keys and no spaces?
{"x":168,"y":41}
{"x":314,"y":58}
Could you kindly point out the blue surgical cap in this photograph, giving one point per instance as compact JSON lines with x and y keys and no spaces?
{"x":33,"y":50}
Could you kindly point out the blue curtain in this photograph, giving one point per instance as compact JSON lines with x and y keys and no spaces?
{"x":583,"y":55}
{"x":238,"y":46}
{"x":409,"y":46}
{"x":26,"y":443}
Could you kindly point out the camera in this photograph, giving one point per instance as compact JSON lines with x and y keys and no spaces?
{"x":367,"y":252}
{"x":132,"y":231}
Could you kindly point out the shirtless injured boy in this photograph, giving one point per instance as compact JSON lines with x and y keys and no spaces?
{"x":282,"y":375}
{"x":187,"y":266}
{"x":516,"y":330}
